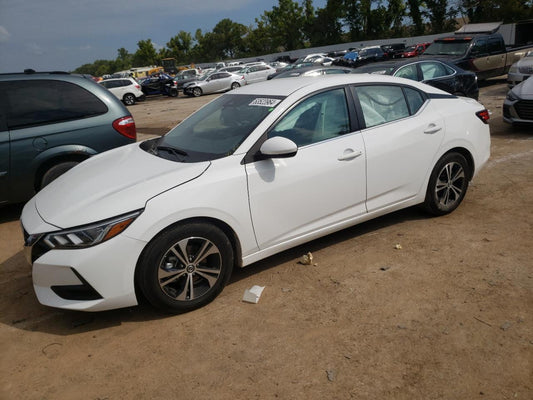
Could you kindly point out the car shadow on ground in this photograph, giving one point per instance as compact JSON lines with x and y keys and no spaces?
{"x":20,"y":308}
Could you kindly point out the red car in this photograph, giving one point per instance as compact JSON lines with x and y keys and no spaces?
{"x":416,"y":50}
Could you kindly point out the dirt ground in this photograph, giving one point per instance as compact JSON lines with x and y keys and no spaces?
{"x":449,"y":315}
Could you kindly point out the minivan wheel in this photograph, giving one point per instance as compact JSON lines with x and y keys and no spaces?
{"x":129,"y":99}
{"x":55,"y":171}
{"x":185,"y":267}
{"x":448,"y":184}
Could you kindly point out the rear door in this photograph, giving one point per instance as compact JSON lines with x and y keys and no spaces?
{"x":402,"y":136}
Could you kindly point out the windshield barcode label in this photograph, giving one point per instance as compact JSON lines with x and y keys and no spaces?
{"x":264,"y":102}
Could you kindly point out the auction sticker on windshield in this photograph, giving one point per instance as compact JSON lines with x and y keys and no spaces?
{"x":265,"y":102}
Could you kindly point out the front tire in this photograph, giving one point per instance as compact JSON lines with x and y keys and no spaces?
{"x":185,"y":267}
{"x":197,"y":92}
{"x":448,"y":184}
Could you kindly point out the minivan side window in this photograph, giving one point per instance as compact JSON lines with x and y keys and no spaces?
{"x":39,"y":102}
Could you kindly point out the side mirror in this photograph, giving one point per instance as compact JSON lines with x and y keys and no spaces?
{"x":278,"y":147}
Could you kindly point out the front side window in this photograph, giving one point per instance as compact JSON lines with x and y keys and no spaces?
{"x":38,"y":102}
{"x":320,"y":117}
{"x":381,"y":104}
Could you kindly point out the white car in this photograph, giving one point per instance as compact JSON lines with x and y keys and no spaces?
{"x":126,"y":89}
{"x":256,"y":73}
{"x":254,"y":172}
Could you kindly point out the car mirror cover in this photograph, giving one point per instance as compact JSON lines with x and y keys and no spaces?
{"x":278,"y":147}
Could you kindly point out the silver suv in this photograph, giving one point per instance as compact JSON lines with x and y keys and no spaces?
{"x":51,"y":121}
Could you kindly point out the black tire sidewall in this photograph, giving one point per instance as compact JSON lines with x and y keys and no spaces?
{"x":431,"y":203}
{"x":129,"y":99}
{"x":56,"y":171}
{"x":147,"y":270}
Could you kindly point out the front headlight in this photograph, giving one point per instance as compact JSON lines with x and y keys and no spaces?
{"x":89,"y":235}
{"x":511,"y":96}
{"x":513,"y":69}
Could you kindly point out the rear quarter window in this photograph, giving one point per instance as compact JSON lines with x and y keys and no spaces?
{"x":38,"y":102}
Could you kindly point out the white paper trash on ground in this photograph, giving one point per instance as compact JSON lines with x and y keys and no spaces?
{"x":253,"y":294}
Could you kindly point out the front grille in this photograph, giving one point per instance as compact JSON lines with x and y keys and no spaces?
{"x":527,"y":69}
{"x":524,"y":109}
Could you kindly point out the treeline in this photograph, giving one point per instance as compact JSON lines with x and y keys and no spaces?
{"x":295,"y":25}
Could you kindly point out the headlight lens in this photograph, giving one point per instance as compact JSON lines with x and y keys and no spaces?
{"x":511,"y":96}
{"x":89,"y":235}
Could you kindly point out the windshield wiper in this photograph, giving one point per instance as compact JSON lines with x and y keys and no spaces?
{"x":173,"y":150}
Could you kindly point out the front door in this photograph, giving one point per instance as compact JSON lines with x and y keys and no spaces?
{"x":324,"y":184}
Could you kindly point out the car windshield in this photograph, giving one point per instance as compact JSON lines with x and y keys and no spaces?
{"x":410,"y":48}
{"x":452,"y":47}
{"x":375,"y":69}
{"x":216,"y":130}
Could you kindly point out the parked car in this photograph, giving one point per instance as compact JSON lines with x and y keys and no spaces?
{"x":370,"y":54}
{"x":180,"y":80}
{"x":521,"y":70}
{"x":256,"y":171}
{"x":215,"y":82}
{"x":313,"y":71}
{"x":518,"y":105}
{"x":434,"y":72}
{"x":291,"y":67}
{"x":485,"y":54}
{"x":256,"y":73}
{"x":416,"y":50}
{"x":393,"y":50}
{"x":233,"y":69}
{"x":50,"y":122}
{"x":126,"y":89}
{"x":159,"y":83}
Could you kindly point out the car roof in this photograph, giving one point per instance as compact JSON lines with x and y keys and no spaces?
{"x":288,"y":86}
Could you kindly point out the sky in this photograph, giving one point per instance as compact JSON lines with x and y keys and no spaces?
{"x":48,"y":35}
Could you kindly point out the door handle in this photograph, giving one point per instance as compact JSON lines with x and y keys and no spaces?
{"x":432,"y":128}
{"x":349,"y":154}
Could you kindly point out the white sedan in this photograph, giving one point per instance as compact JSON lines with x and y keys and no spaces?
{"x":254,"y":172}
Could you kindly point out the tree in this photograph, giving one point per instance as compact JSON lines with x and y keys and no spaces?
{"x":146,"y":54}
{"x":284,"y":25}
{"x":507,"y":11}
{"x":416,"y":16}
{"x":441,"y":15}
{"x":326,"y":27}
{"x":179,"y":47}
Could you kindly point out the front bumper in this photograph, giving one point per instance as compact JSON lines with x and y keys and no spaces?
{"x":92,"y":279}
{"x":518,"y":112}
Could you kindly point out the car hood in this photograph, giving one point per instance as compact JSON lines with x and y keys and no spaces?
{"x":109,"y":184}
{"x":524,"y":90}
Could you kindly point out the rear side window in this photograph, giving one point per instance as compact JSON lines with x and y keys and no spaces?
{"x":414,"y":100}
{"x":382,"y":104}
{"x":39,"y":102}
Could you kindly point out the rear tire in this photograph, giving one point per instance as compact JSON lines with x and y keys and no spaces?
{"x":448,"y":184}
{"x":235,"y":85}
{"x":185,"y":267}
{"x":56,"y":171}
{"x":173,"y":92}
{"x":129,"y":99}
